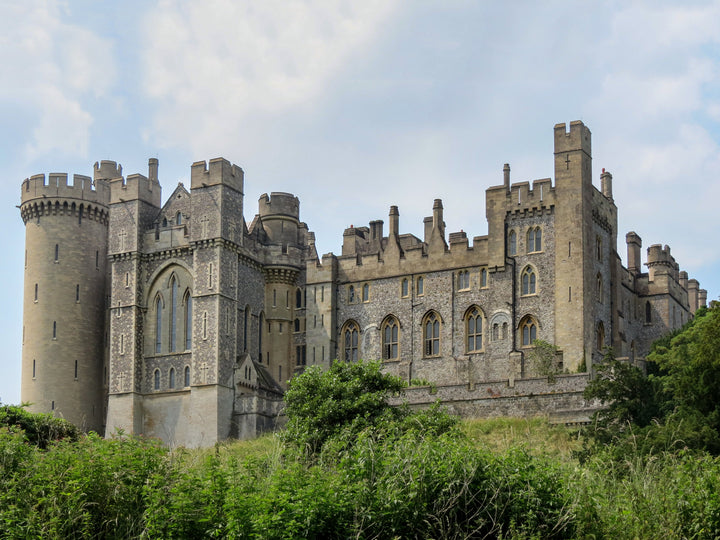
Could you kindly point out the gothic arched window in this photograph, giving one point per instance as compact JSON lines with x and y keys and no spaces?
{"x":158,"y":323}
{"x":188,"y":320}
{"x":473,"y":330}
{"x":529,"y":281}
{"x":390,"y":338}
{"x":528,"y":331}
{"x":173,"y":312}
{"x":171,"y":378}
{"x":512,"y":243}
{"x":431,"y":334}
{"x":187,"y":376}
{"x":156,"y":379}
{"x":600,"y":336}
{"x":351,"y":338}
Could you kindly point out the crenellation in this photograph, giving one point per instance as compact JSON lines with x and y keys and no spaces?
{"x":200,"y":320}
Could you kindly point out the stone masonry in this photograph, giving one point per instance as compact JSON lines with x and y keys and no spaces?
{"x":183,"y":322}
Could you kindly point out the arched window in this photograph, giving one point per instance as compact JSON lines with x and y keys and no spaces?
{"x":648,"y":312}
{"x":512,"y":243}
{"x":473,"y":330}
{"x":599,"y":288}
{"x":171,"y":378}
{"x":164,"y":222}
{"x":431,"y":334}
{"x":529,"y":281}
{"x":366,"y":293}
{"x":495,"y":332}
{"x":158,"y":323}
{"x":598,"y":247}
{"x":420,"y":286}
{"x":178,"y":219}
{"x":187,"y":376}
{"x":351,"y":294}
{"x":351,"y":337}
{"x":405,"y":288}
{"x":600,"y":336}
{"x":483,"y":278}
{"x":156,"y":379}
{"x":390,"y":338}
{"x":188,"y":320}
{"x":528,"y":331}
{"x":534,"y":239}
{"x":173,"y":312}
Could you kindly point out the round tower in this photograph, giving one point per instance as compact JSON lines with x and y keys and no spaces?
{"x":63,"y":353}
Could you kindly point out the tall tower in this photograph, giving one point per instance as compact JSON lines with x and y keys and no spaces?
{"x":63,"y":355}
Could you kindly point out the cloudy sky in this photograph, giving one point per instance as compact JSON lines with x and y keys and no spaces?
{"x":356,"y":106}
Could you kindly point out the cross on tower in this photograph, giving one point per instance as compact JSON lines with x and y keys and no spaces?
{"x":204,"y":221}
{"x":122,"y":235}
{"x":204,"y":369}
{"x":567,"y":161}
{"x":121,"y":383}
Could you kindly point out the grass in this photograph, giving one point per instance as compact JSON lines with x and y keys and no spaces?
{"x":536,"y":435}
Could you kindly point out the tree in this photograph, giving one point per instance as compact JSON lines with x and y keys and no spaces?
{"x":319,"y":404}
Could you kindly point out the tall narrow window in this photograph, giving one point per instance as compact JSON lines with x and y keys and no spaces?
{"x":204,"y":324}
{"x":97,"y":260}
{"x":473,"y":330}
{"x":483,"y":278}
{"x":171,"y":378}
{"x":173,"y":313}
{"x":187,"y":376}
{"x":600,"y":336}
{"x":648,"y":313}
{"x":404,"y":288}
{"x":211,"y":270}
{"x":420,"y":288}
{"x":76,"y":369}
{"x":178,"y":219}
{"x":534,"y":239}
{"x":366,"y":293}
{"x":158,"y":324}
{"x":351,"y":336}
{"x":351,"y":294}
{"x":529,"y":281}
{"x":296,"y":325}
{"x":298,"y":299}
{"x":463,"y":280}
{"x":598,"y":248}
{"x":127,"y":279}
{"x":54,"y":329}
{"x":512,"y":243}
{"x":274,"y":297}
{"x":33,"y":368}
{"x":156,"y":379}
{"x":599,"y":288}
{"x":122,"y":343}
{"x":77,"y":292}
{"x":188,"y":320}
{"x":57,"y":252}
{"x":390,"y":335}
{"x":36,"y":292}
{"x":431,"y":334}
{"x":246,"y":322}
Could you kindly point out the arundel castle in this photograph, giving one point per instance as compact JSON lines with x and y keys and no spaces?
{"x":185,"y":322}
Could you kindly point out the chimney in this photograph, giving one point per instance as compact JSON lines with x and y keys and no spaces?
{"x":394,"y":221}
{"x":506,"y":176}
{"x":153,"y":169}
{"x":606,"y":184}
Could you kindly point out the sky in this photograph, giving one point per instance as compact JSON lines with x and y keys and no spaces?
{"x":357,"y":106}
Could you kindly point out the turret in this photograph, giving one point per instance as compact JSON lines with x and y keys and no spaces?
{"x":66,"y":232}
{"x":606,"y":184}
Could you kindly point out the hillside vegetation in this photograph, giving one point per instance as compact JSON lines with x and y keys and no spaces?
{"x":350,"y":466}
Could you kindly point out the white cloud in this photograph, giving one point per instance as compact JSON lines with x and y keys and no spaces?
{"x":212,"y":66}
{"x":52,"y":67}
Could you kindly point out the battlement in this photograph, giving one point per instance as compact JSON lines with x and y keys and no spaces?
{"x":279,"y":203}
{"x":56,"y":185}
{"x":135,"y":187}
{"x":218,"y":171}
{"x":659,"y":255}
{"x":578,"y":138}
{"x":107,"y":170}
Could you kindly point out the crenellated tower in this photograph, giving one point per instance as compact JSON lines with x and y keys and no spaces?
{"x":63,"y":355}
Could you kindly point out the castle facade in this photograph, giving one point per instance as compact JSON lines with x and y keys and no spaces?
{"x":182,"y":321}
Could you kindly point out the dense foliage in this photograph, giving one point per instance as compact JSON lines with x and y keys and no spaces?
{"x":363,"y":470}
{"x":676,"y":406}
{"x":39,"y":429}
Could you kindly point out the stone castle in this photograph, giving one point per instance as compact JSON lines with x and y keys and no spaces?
{"x":182,"y":321}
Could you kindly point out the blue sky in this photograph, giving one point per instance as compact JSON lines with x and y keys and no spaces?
{"x":356,"y":106}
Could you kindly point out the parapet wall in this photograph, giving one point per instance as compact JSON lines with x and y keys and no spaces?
{"x":56,"y":185}
{"x":279,"y":203}
{"x":217,"y":171}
